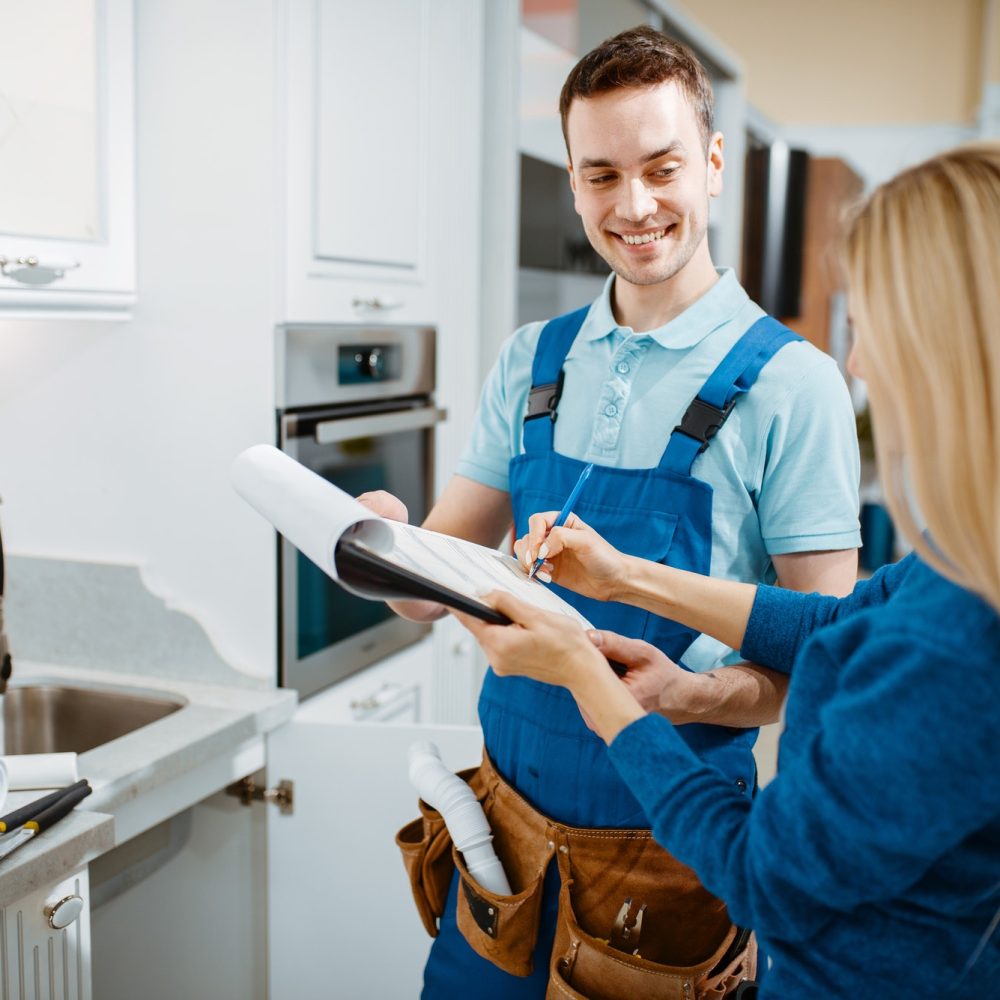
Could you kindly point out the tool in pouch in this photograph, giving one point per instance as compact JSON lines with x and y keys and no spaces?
{"x":463,"y":815}
{"x":25,"y":823}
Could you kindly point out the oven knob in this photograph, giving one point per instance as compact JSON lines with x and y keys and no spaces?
{"x":371,"y":364}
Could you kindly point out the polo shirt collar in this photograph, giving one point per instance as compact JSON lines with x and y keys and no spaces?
{"x":718,"y":305}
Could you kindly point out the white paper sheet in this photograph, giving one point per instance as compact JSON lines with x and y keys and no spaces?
{"x":313,"y":515}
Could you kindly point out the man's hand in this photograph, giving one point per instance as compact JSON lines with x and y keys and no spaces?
{"x":392,"y":508}
{"x":385,"y":505}
{"x":653,"y":679}
{"x":576,"y":556}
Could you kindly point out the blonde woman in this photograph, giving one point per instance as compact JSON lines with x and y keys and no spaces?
{"x":870,"y":867}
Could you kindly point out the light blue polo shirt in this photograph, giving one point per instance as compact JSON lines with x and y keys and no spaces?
{"x":784,"y":467}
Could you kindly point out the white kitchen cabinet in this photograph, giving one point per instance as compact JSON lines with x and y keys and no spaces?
{"x":45,"y":942}
{"x":341,"y":922}
{"x":367,"y":102}
{"x":67,"y":162}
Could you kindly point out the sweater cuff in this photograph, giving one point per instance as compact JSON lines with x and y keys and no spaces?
{"x":774,"y":629}
{"x":645,"y":751}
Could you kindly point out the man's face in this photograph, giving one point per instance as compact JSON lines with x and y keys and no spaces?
{"x":642,"y":179}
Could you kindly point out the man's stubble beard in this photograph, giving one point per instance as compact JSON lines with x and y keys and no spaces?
{"x":683,"y":252}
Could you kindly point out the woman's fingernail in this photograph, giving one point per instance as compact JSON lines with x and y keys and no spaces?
{"x":543,"y":551}
{"x":595,"y":638}
{"x":543,"y":576}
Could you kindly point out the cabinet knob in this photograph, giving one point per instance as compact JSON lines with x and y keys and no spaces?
{"x":62,"y":913}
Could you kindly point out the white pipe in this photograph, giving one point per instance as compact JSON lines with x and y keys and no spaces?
{"x":470,"y":831}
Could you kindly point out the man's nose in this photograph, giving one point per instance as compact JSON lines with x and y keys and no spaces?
{"x":637,"y":201}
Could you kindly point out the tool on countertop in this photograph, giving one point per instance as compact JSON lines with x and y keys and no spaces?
{"x":37,"y":816}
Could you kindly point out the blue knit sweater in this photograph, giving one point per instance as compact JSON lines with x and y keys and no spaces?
{"x":870,"y":867}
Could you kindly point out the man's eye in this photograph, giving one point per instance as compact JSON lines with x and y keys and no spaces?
{"x":665,"y":172}
{"x":600,"y":179}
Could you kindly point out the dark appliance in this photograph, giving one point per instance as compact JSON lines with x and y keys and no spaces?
{"x":356,"y":405}
{"x":774,"y":200}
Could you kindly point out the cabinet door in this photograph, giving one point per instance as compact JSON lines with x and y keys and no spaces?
{"x":42,"y":961}
{"x":67,"y":240}
{"x":342,"y":923}
{"x":368,"y":102}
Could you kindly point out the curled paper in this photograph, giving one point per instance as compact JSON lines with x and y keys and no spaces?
{"x":39,"y":770}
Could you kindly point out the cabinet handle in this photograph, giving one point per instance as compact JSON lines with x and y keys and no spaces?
{"x":31,"y":271}
{"x":385,"y":695}
{"x":375,"y":304}
{"x":348,"y":428}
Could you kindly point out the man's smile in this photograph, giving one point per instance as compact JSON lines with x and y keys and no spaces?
{"x":638,"y":239}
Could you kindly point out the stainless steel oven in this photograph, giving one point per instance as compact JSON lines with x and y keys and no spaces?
{"x":356,"y":405}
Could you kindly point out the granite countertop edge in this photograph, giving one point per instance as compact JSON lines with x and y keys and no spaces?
{"x":215,"y":719}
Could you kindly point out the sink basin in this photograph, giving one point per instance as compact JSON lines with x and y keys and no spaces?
{"x":54,"y":718}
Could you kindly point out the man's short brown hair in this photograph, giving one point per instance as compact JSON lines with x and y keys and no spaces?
{"x":640,"y":57}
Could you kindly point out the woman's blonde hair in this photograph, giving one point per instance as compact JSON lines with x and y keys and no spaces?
{"x":923,"y":261}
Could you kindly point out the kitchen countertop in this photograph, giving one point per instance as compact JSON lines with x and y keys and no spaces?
{"x":152,"y":771}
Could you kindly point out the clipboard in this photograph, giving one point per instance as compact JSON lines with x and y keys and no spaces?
{"x":359,"y":566}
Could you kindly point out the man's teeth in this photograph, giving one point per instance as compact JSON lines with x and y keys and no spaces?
{"x":644,"y":238}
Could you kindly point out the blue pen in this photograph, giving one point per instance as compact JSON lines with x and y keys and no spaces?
{"x":566,"y":511}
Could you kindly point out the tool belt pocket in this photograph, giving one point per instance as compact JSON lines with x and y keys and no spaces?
{"x":618,"y":964}
{"x":588,"y":968}
{"x":501,"y":929}
{"x":426,"y":848}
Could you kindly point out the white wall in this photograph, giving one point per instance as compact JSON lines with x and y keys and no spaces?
{"x":116,"y":438}
{"x":877,"y":152}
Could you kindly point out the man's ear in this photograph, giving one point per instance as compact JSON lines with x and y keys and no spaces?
{"x":716,"y":164}
{"x":572,"y":183}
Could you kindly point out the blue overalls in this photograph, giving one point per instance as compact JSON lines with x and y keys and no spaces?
{"x":534,"y":732}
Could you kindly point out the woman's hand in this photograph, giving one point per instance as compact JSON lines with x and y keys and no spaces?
{"x":542,"y":645}
{"x":552,"y":648}
{"x":576,"y":556}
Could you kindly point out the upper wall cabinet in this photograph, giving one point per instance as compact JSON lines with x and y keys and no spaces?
{"x":358,"y":112}
{"x":67,"y":163}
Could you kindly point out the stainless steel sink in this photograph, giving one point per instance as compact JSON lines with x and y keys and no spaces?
{"x":53,"y":718}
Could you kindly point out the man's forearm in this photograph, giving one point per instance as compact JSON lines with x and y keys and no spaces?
{"x":743,"y":695}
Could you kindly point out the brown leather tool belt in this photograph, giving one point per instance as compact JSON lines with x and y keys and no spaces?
{"x":633,"y":921}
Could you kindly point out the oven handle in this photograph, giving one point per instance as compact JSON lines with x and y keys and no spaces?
{"x":369,"y":425}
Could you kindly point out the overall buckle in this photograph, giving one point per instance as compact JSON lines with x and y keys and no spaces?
{"x":543,"y":399}
{"x":702,"y":420}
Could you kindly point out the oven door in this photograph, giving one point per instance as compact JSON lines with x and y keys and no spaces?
{"x":325,"y":633}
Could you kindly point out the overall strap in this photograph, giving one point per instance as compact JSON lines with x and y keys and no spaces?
{"x":735,"y":375}
{"x":554,"y":342}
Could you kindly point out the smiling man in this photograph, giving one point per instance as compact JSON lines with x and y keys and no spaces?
{"x":721,"y":443}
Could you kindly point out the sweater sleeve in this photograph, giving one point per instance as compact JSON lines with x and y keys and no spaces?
{"x":870,"y":797}
{"x":782,"y":620}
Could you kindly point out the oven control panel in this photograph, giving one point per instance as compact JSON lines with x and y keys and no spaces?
{"x":359,"y":364}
